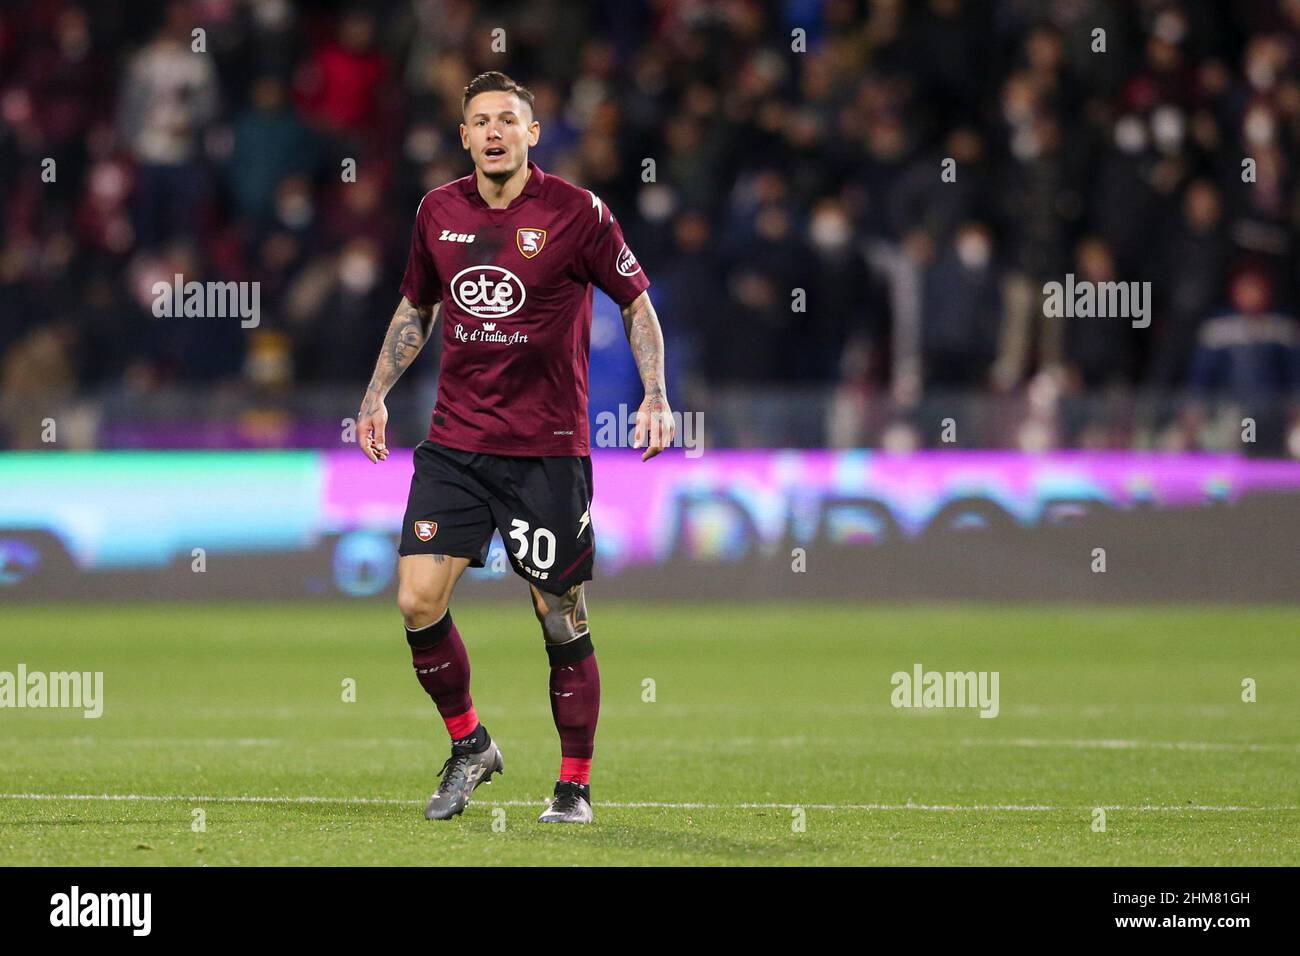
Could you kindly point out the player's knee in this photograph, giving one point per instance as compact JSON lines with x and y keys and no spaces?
{"x":555,"y":630}
{"x":555,"y":626}
{"x":563,"y":617}
{"x":419,"y":608}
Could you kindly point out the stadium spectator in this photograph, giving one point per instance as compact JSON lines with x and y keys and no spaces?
{"x":962,"y":311}
{"x":169,"y":95}
{"x":760,"y":156}
{"x":1249,"y":359}
{"x":270,"y":144}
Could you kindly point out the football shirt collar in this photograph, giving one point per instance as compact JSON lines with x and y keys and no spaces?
{"x":532,"y":186}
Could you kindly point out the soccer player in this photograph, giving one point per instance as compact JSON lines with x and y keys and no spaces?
{"x":506,"y":256}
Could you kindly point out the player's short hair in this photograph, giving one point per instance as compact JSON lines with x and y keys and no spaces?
{"x":494,"y":81}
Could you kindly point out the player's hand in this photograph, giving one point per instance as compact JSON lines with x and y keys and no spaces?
{"x":654,"y":426}
{"x":372,"y":420}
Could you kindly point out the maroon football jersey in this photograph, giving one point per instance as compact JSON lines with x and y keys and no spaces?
{"x":515,"y":286}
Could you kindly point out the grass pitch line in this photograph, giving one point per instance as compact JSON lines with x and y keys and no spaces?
{"x":1103,"y":744}
{"x":636,"y":805}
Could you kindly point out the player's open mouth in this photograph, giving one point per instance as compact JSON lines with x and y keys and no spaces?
{"x":494,"y":152}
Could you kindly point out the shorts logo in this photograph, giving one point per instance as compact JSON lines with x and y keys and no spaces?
{"x":488,"y":291}
{"x":627,"y":264}
{"x":425,"y":530}
{"x":530,"y":241}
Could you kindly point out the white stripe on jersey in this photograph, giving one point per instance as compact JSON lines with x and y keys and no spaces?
{"x":421,"y":206}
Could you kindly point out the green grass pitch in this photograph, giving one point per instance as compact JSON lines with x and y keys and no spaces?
{"x":764,"y":716}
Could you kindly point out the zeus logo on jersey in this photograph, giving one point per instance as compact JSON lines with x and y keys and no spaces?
{"x":488,"y":291}
{"x":449,"y":236}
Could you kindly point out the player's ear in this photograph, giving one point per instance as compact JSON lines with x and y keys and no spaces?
{"x":534,"y":132}
{"x":464,"y":136}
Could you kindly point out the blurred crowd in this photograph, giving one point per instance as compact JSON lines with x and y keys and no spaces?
{"x":797,"y":147}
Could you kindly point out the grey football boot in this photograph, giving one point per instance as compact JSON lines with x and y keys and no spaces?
{"x":461,"y":774}
{"x":571,"y":804}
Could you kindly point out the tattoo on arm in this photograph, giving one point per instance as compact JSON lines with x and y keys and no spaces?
{"x":407,"y":334}
{"x":641,"y":325}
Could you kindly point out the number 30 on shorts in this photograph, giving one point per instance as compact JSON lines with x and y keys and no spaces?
{"x":543,"y":544}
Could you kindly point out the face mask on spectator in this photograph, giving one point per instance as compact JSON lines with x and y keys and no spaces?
{"x":830,"y":232}
{"x":1170,"y":27}
{"x":656,"y":203}
{"x":295,"y":210}
{"x":1260,"y":72}
{"x":1259,"y":127}
{"x":358,"y":272}
{"x":1025,"y":145}
{"x":1130,"y":135}
{"x":1167,"y":128}
{"x":974,"y":250}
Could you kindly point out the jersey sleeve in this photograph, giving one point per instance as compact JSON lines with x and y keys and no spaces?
{"x":421,"y":284}
{"x":606,"y":259}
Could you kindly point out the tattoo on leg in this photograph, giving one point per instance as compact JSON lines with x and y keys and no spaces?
{"x":563,"y":617}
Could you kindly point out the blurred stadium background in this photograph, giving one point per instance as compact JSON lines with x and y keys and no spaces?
{"x":796,"y":148}
{"x":775,"y":170}
{"x":921,"y":433}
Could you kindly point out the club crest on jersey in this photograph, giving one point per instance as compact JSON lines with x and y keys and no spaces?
{"x":425,"y":530}
{"x":530,"y":241}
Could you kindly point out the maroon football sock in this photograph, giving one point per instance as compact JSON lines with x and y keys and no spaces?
{"x":442,"y":667}
{"x":575,"y":700}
